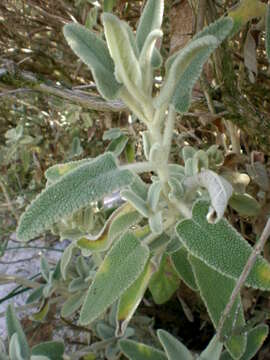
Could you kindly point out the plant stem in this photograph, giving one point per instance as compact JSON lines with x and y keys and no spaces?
{"x":241,"y":281}
{"x":168,"y":132}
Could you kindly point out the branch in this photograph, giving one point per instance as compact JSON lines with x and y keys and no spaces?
{"x":30,"y":82}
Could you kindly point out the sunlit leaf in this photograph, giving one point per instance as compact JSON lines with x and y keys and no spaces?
{"x":54,"y":350}
{"x":183,"y":267}
{"x":138,"y":351}
{"x":120,"y":268}
{"x":174,"y":348}
{"x":94,"y":53}
{"x":75,"y":190}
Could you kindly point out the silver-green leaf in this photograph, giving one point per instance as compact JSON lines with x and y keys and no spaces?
{"x":94,"y":53}
{"x":77,"y":189}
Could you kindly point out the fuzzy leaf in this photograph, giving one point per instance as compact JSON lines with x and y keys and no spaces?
{"x":138,"y":351}
{"x":221,"y":247}
{"x":94,"y":53}
{"x":245,"y":204}
{"x":137,"y":202}
{"x":213,"y":350}
{"x":118,"y":145}
{"x":200,"y":50}
{"x":72,"y":304}
{"x":14,"y":327}
{"x":255,"y":339}
{"x":164,"y":282}
{"x":174,"y":348}
{"x":183,"y":267}
{"x":267,"y":30}
{"x":127,"y":68}
{"x":219,"y":189}
{"x":66,"y":259}
{"x":81,"y":186}
{"x":54,"y":350}
{"x":154,"y":195}
{"x":55,"y":172}
{"x":15,"y":348}
{"x":35,"y":295}
{"x":131,"y":299}
{"x":182,"y":96}
{"x":120,"y":268}
{"x":151,"y":19}
{"x":45,"y":268}
{"x":155,"y":223}
{"x":215,"y":290}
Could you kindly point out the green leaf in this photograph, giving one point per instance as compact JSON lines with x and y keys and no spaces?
{"x":75,"y":190}
{"x":66,"y":259}
{"x":54,"y":350}
{"x":215,"y":290}
{"x":55,"y":172}
{"x":44,"y":268}
{"x":164,"y":282}
{"x":255,"y":339}
{"x":120,"y":268}
{"x":155,"y":223}
{"x":14,"y":327}
{"x":35,"y":295}
{"x":39,"y":357}
{"x":15,"y":348}
{"x":127,"y":68}
{"x":183,"y":267}
{"x":151,"y":19}
{"x":267,"y":30}
{"x":219,"y":189}
{"x":138,"y":351}
{"x":174,"y":349}
{"x":118,"y":145}
{"x":108,"y":5}
{"x":131,"y":299}
{"x":182,"y":96}
{"x":146,"y":144}
{"x":137,"y":202}
{"x":72,"y":304}
{"x":245,"y":204}
{"x":94,"y":53}
{"x":154,"y":195}
{"x":221,"y":247}
{"x":213,"y":350}
{"x":198,"y":50}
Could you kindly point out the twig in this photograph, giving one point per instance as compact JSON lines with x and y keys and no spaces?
{"x":9,"y":203}
{"x":241,"y":281}
{"x":5,"y":279}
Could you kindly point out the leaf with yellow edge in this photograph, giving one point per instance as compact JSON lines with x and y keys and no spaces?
{"x":255,"y":339}
{"x":246,"y":11}
{"x":131,"y":299}
{"x":138,"y":351}
{"x":121,"y":267}
{"x":122,"y":219}
{"x":164,"y":282}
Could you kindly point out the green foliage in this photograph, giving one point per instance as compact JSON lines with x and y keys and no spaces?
{"x":221,"y":247}
{"x":94,"y":53}
{"x":215,"y":290}
{"x":53,"y":350}
{"x":174,"y":349}
{"x":183,"y":267}
{"x":244,"y":204}
{"x":86,"y":183}
{"x":120,"y":268}
{"x":164,"y":282}
{"x":136,"y":351}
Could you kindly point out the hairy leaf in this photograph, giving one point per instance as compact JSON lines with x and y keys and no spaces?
{"x":66,"y":259}
{"x":174,"y":348}
{"x":221,"y":247}
{"x":219,"y":189}
{"x":215,"y":290}
{"x":78,"y":188}
{"x":54,"y":350}
{"x":137,"y":202}
{"x":255,"y":339}
{"x":137,"y":351}
{"x":15,"y":348}
{"x":131,"y":299}
{"x":199,"y":49}
{"x":72,"y":304}
{"x":94,"y":53}
{"x":183,"y":267}
{"x":164,"y":282}
{"x":14,"y":327}
{"x":127,"y":68}
{"x":244,"y":204}
{"x":55,"y":172}
{"x":213,"y":350}
{"x":120,"y":268}
{"x":150,"y":20}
